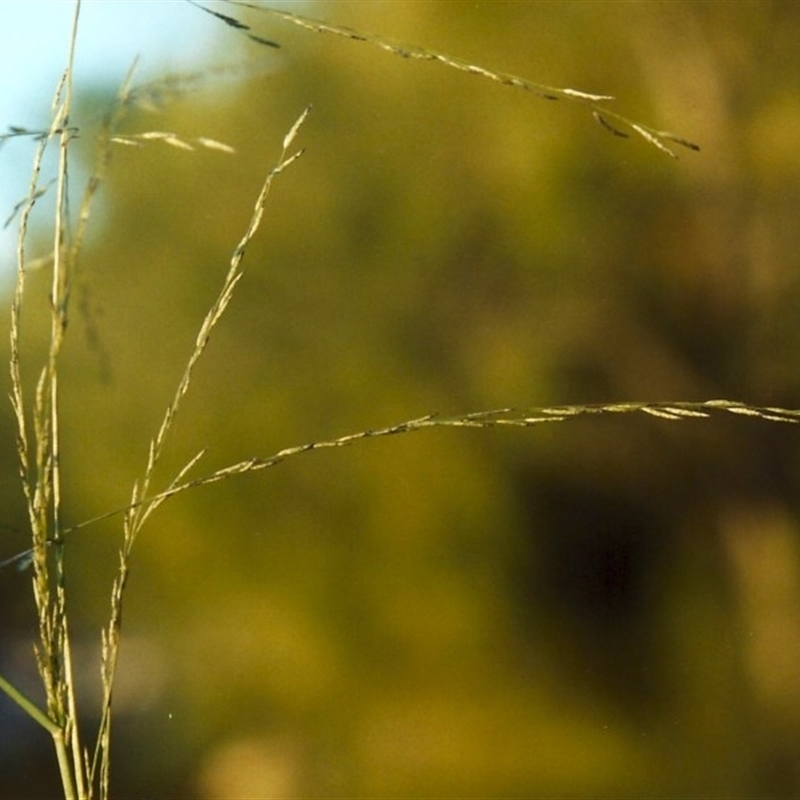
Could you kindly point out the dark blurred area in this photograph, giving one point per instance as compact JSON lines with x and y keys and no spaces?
{"x":607,"y":607}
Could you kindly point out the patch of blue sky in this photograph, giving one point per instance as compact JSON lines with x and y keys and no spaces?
{"x":162,"y":35}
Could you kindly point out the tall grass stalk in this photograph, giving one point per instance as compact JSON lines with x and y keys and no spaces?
{"x":39,"y":454}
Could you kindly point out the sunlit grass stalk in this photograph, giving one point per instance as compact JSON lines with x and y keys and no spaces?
{"x":141,"y":506}
{"x":497,"y":418}
{"x":596,"y":103}
{"x":59,"y":307}
{"x":42,"y":483}
{"x":39,"y":452}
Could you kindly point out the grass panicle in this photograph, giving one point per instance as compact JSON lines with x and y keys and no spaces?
{"x":39,"y":461}
{"x":38,"y":449}
{"x":595,"y":102}
{"x":142,"y":506}
{"x":502,"y":417}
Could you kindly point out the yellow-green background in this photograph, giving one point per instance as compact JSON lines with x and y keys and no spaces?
{"x":603,"y":608}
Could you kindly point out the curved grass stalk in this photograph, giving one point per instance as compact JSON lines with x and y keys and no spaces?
{"x":513,"y":417}
{"x":503,"y":417}
{"x":142,"y":505}
{"x":595,"y":102}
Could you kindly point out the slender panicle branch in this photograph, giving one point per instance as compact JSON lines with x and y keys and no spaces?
{"x":596,"y":103}
{"x":141,"y":506}
{"x":503,"y":417}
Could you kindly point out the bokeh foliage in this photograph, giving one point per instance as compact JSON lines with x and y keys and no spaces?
{"x":607,"y":608}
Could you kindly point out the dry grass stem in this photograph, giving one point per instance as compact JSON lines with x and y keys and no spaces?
{"x":503,"y":417}
{"x":142,"y":506}
{"x":593,"y":101}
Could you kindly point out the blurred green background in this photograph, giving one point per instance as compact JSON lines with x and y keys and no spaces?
{"x":605,"y":608}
